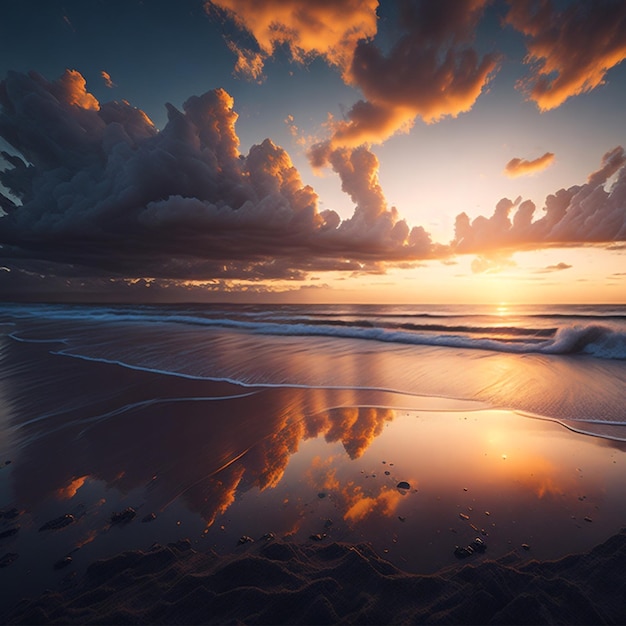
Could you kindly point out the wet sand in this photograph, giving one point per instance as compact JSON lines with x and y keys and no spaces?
{"x":312,"y":476}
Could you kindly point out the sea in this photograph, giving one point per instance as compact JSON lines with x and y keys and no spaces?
{"x":415,"y":429}
{"x":562,"y":362}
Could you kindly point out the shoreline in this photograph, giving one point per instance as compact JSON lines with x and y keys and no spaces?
{"x":213,"y":465}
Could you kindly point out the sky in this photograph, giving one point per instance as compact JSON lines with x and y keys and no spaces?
{"x":434,"y":151}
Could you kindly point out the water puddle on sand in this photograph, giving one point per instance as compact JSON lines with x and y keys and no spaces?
{"x":414,"y":483}
{"x":517,"y":483}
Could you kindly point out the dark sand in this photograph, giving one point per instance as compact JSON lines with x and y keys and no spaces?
{"x":89,"y":439}
{"x":276,"y":582}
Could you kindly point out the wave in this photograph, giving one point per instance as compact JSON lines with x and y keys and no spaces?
{"x":592,"y":339}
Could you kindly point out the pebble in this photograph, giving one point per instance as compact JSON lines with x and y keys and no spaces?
{"x":269,"y":536}
{"x":525,"y":546}
{"x":588,"y":519}
{"x":463,"y":516}
{"x":478,"y":545}
{"x":463,"y":552}
{"x":149,"y":518}
{"x":64,"y":562}
{"x":403,"y":485}
{"x":123,"y":516}
{"x":318,"y":536}
{"x":245,"y":539}
{"x":59,"y":522}
{"x":387,"y":472}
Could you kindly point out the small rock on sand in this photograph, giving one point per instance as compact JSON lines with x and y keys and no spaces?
{"x":461,"y":552}
{"x":123,"y":516}
{"x":403,"y":485}
{"x":59,"y":522}
{"x":245,"y":539}
{"x":64,"y":562}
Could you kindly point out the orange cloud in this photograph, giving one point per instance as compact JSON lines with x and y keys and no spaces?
{"x":571,"y":51}
{"x":521,"y":167}
{"x":360,"y":506}
{"x":249,"y":63}
{"x":330,"y":28}
{"x":70,"y":88}
{"x":106,"y":77}
{"x":430,"y":72}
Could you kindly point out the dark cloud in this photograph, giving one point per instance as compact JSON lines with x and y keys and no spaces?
{"x":583,"y":214}
{"x":570,"y":51}
{"x":102,"y":189}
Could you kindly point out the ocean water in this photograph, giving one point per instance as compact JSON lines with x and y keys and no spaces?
{"x":222,"y":421}
{"x":566,"y":363}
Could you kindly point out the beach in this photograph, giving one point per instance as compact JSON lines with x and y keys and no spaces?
{"x":289,"y":465}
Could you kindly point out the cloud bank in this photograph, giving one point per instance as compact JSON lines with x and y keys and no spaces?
{"x":569,"y":51}
{"x":521,"y":167}
{"x":582,"y":214}
{"x":101,"y":188}
{"x":101,"y":198}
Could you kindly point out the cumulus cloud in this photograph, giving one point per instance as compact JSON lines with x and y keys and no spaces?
{"x":431,"y":71}
{"x":521,"y":167}
{"x":570,"y":51}
{"x":101,"y":190}
{"x":582,"y":214}
{"x":375,"y":226}
{"x":326,"y":28}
